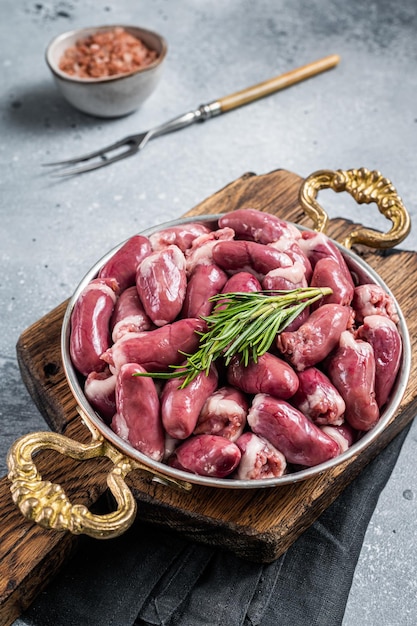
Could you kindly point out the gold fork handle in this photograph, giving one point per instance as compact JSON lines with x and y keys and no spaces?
{"x":255,"y":92}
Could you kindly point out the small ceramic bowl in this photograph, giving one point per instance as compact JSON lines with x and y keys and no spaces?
{"x":112,"y":96}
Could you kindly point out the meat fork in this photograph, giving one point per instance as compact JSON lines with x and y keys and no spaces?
{"x":133,"y":143}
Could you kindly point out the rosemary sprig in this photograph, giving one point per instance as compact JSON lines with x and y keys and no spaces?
{"x":244,"y":324}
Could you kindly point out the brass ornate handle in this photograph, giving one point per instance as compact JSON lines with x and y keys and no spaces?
{"x":47,"y":504}
{"x":364,"y":186}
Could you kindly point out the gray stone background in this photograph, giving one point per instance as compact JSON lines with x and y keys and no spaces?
{"x":361,"y":114}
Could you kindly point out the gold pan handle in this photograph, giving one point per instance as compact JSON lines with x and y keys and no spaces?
{"x":47,"y":504}
{"x":365,"y":187}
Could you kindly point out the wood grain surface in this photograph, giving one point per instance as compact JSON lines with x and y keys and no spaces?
{"x":257,"y":525}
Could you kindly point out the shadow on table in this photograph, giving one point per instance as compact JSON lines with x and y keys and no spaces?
{"x":40,"y":106}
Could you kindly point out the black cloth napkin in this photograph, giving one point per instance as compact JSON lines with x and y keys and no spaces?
{"x":153,"y":577}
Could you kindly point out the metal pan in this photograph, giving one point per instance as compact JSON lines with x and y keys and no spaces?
{"x":47,"y":504}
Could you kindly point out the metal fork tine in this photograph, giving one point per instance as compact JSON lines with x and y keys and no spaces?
{"x":93,"y":166}
{"x":133,"y":143}
{"x":97,"y":153}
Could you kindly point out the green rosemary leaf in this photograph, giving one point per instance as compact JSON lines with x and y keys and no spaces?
{"x":242,"y":324}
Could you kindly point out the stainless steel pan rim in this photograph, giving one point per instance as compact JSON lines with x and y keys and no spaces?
{"x":355,"y":263}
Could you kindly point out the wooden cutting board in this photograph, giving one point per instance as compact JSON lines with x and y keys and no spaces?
{"x":258,"y":525}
